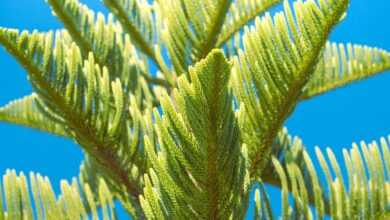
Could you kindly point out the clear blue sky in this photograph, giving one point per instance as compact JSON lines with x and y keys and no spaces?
{"x":358,"y":112}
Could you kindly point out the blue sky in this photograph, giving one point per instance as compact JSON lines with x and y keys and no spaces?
{"x":358,"y":112}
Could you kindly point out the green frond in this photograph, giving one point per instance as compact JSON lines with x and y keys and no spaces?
{"x":38,"y":201}
{"x":190,"y":29}
{"x":263,"y":209}
{"x":99,"y":113}
{"x":342,"y":64}
{"x":91,"y":172}
{"x":240,"y":14}
{"x":286,"y":149}
{"x":69,"y":87}
{"x":278,"y":59}
{"x":105,"y":39}
{"x":132,"y":156}
{"x":363,"y":194}
{"x":25,"y":112}
{"x":138,"y":19}
{"x":79,"y":20}
{"x":79,"y":93}
{"x":189,"y":141}
{"x":199,"y":164}
{"x":91,"y":32}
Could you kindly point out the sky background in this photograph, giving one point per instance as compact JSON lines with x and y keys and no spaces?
{"x":358,"y":112}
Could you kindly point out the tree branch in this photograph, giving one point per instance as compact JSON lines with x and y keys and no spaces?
{"x":139,"y":41}
{"x":83,"y":133}
{"x":243,"y":22}
{"x":215,"y":30}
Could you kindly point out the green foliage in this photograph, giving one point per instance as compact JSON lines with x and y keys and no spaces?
{"x":200,"y":164}
{"x":342,"y":64}
{"x":364,"y":194}
{"x":278,"y":60}
{"x":240,"y":14}
{"x":25,"y":111}
{"x":72,"y":203}
{"x":137,"y":20}
{"x":92,"y":108}
{"x":189,"y":140}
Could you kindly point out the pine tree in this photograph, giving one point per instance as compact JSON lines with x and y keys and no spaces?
{"x":191,"y":139}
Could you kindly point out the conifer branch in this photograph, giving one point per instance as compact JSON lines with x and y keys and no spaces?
{"x":366,"y":194}
{"x":33,"y":198}
{"x":290,"y":150}
{"x":189,"y":38}
{"x":83,"y":134}
{"x":199,"y":163}
{"x":139,"y":40}
{"x":216,"y":130}
{"x":73,"y":30}
{"x":215,"y":29}
{"x":274,"y":100}
{"x":131,"y":29}
{"x":27,"y":112}
{"x":342,"y":64}
{"x":244,"y":18}
{"x":85,"y":44}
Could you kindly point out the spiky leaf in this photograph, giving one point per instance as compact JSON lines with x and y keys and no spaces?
{"x":190,"y":29}
{"x":342,"y":64}
{"x":80,"y":94}
{"x":199,"y":165}
{"x":240,"y":14}
{"x":39,"y":202}
{"x":104,"y":38}
{"x":278,"y":59}
{"x":25,"y":112}
{"x":365,"y":195}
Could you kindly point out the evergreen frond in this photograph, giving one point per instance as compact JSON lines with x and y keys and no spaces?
{"x":81,"y":94}
{"x":240,"y":15}
{"x":38,"y":201}
{"x":287,"y":149}
{"x":137,"y":19}
{"x":91,"y":172}
{"x":25,"y":112}
{"x":278,"y":59}
{"x":132,"y":156}
{"x":190,"y":29}
{"x":199,"y":164}
{"x":104,"y":37}
{"x":342,"y":64}
{"x":174,"y":128}
{"x":363,"y":193}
